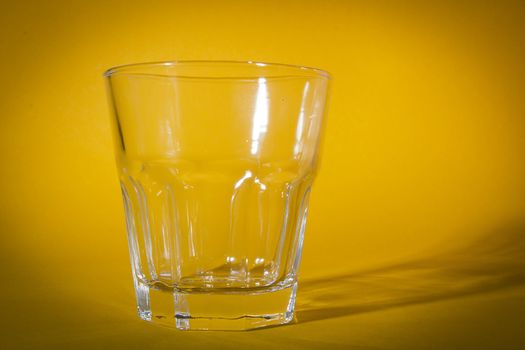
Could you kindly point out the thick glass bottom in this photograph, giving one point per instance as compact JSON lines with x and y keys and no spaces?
{"x":216,"y":310}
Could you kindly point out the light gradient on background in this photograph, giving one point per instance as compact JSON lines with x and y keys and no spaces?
{"x":422,"y":174}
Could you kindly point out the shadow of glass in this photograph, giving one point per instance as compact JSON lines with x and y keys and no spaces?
{"x":493,"y":262}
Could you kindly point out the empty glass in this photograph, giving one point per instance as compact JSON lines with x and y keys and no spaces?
{"x":216,"y":161}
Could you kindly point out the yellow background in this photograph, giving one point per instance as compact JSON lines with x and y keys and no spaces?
{"x":416,"y":233}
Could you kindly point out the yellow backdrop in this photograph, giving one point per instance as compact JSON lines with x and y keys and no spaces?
{"x":422,"y":174}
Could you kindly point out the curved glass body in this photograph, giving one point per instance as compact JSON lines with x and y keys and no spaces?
{"x":216,"y":161}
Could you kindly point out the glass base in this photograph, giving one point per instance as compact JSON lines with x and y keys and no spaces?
{"x":216,"y":311}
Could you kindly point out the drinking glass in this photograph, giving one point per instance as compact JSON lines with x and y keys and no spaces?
{"x":216,"y":160}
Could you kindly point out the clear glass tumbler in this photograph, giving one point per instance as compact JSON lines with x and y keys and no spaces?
{"x":216,"y":161}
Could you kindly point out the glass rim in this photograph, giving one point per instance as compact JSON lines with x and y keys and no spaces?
{"x":299,"y":70}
